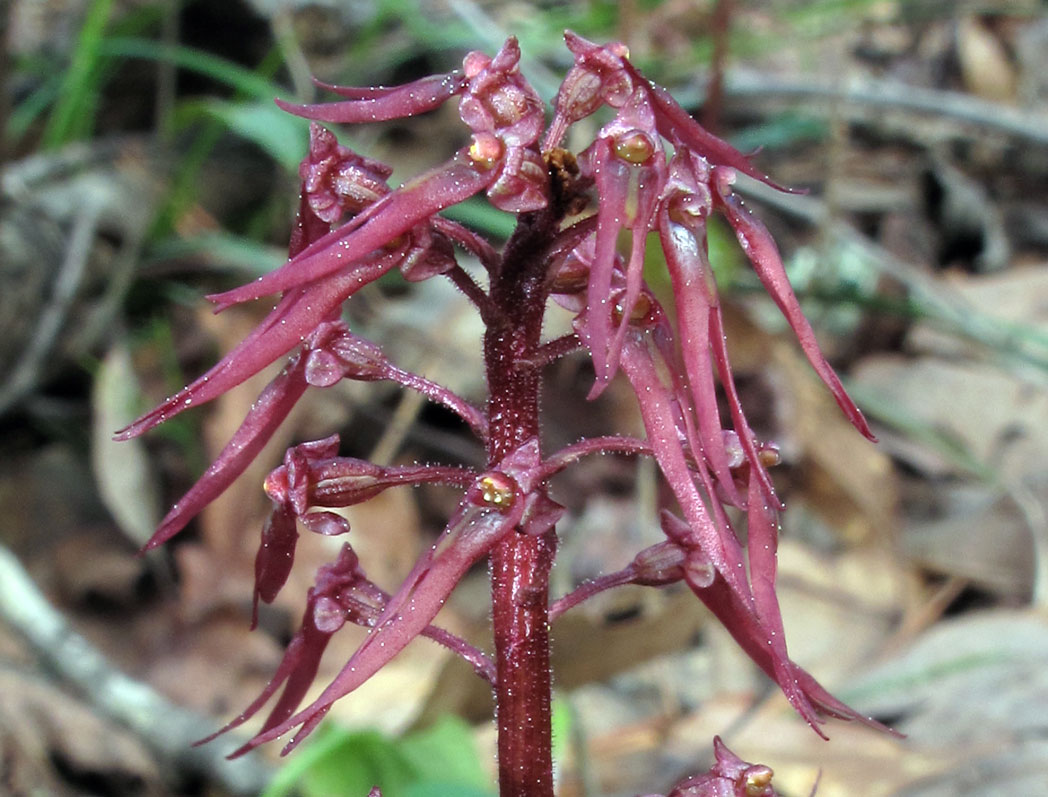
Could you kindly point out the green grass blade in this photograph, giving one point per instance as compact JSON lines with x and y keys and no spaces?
{"x":244,"y":81}
{"x":74,"y":113}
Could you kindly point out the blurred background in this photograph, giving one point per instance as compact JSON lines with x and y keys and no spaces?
{"x":144,"y":165}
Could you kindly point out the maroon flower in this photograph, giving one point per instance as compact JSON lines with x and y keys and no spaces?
{"x":729,"y":776}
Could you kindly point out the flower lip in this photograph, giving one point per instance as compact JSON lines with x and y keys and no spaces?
{"x":276,"y":484}
{"x":486,"y":150}
{"x":635,"y":146}
{"x":495,"y":490}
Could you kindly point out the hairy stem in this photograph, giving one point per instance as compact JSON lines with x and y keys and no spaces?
{"x":521,"y":563}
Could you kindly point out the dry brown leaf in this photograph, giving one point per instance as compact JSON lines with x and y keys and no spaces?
{"x":840,"y":610}
{"x":984,"y":536}
{"x":971,"y":691}
{"x":983,"y":414}
{"x":125,"y":476}
{"x":1017,"y":297}
{"x":985,"y":66}
{"x":48,"y":739}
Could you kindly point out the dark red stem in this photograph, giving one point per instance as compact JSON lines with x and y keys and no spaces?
{"x":521,"y":563}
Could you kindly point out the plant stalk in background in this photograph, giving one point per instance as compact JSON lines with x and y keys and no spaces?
{"x":583,"y":225}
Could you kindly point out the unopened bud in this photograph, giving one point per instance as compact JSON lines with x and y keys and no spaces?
{"x":323,"y":368}
{"x":733,"y":448}
{"x":699,"y":571}
{"x":276,"y":485}
{"x":361,"y":359}
{"x":659,"y":565}
{"x":769,"y":455}
{"x":688,"y":208}
{"x":572,"y":277}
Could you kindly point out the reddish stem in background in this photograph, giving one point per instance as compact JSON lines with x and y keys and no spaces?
{"x":520,"y":563}
{"x":720,"y":26}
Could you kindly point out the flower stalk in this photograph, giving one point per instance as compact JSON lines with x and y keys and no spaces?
{"x":521,"y":563}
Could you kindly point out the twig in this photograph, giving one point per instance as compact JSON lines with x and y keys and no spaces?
{"x":167,"y":729}
{"x":876,"y":96}
{"x":66,"y":284}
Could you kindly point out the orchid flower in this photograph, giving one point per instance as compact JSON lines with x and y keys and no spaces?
{"x":729,"y":776}
{"x":654,"y":174}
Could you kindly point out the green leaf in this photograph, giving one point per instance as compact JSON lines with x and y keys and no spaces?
{"x":363,"y":760}
{"x":440,"y":760}
{"x":223,"y":251}
{"x":563,"y":726}
{"x":441,"y":789}
{"x":339,"y":762}
{"x":445,"y":750}
{"x":478,"y":214}
{"x":281,"y":135}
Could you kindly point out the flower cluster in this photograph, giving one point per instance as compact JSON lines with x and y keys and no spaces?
{"x":650,"y":169}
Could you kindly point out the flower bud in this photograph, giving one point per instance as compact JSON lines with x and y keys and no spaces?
{"x":336,"y":179}
{"x":433,"y":256}
{"x":523,"y":185}
{"x":733,"y":448}
{"x":571,"y":278}
{"x":361,"y":359}
{"x":659,"y":564}
{"x":363,"y":603}
{"x":699,"y":571}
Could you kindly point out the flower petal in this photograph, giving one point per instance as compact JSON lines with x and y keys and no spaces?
{"x":678,"y":126}
{"x":265,"y":415}
{"x":693,"y":296}
{"x":469,"y":536}
{"x":286,"y":326}
{"x":656,"y":407}
{"x":386,"y":220}
{"x":760,"y":248}
{"x":612,"y":178}
{"x":381,"y":104}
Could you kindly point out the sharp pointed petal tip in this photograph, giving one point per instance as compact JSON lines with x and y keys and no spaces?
{"x":243,"y":750}
{"x":220,"y":301}
{"x":293,"y":108}
{"x":154,"y":542}
{"x":599,"y":386}
{"x":860,"y":423}
{"x":288,"y":748}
